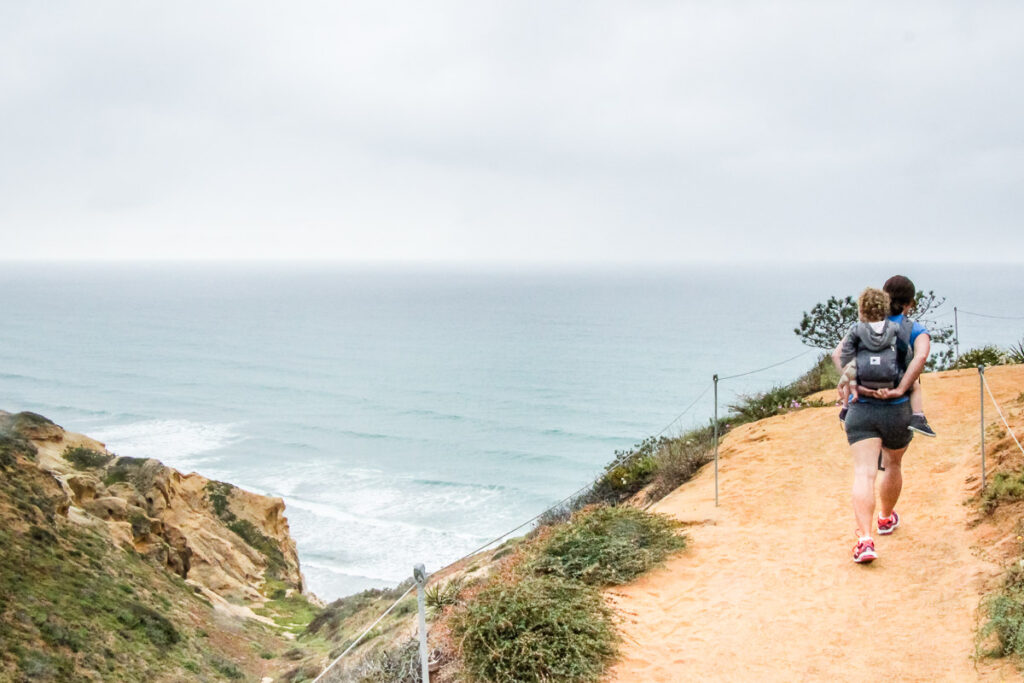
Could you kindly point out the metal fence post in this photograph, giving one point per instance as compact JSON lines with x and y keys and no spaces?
{"x":716,"y":440}
{"x":419,"y":574}
{"x":981,"y":388}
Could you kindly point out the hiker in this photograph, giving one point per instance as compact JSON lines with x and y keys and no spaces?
{"x":879,"y":419}
{"x":895,"y":312}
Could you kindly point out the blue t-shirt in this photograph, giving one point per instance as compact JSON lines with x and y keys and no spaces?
{"x":916,"y":330}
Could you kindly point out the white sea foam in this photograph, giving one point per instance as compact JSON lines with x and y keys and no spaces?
{"x":177,"y":443}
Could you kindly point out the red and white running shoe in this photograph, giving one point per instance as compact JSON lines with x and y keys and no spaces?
{"x":864,"y":551}
{"x":888,"y":525}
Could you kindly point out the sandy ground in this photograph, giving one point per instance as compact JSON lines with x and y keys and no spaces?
{"x":767,"y":590}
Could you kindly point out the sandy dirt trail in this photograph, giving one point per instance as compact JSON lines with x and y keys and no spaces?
{"x":767,"y":590}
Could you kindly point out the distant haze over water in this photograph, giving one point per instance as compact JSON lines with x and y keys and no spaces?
{"x":408,"y":415}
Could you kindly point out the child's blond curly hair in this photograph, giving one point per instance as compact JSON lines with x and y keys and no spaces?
{"x":873,"y":305}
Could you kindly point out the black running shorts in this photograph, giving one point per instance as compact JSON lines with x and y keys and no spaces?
{"x":887,"y":421}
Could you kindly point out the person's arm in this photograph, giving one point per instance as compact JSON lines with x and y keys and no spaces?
{"x":922,"y":347}
{"x":837,"y":354}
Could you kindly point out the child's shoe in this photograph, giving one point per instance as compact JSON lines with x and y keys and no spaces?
{"x":919,"y":424}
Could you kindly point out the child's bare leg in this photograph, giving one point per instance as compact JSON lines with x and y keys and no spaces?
{"x":917,"y":398}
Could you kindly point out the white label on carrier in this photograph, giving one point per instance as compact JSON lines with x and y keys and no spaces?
{"x":876,"y":360}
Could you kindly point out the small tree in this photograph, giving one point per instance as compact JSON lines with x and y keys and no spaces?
{"x":825,"y":325}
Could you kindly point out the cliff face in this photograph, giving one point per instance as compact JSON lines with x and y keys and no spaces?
{"x":121,"y":569}
{"x":229,"y":543}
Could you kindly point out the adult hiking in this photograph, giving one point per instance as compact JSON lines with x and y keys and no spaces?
{"x":889,"y":355}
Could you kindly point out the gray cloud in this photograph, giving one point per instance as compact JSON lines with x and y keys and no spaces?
{"x":510,"y":131}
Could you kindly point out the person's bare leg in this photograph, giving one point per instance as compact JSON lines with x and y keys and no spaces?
{"x":891,"y":480}
{"x":865,"y":467}
{"x":917,"y":398}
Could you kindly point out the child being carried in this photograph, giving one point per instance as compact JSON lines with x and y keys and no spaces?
{"x":875,"y":352}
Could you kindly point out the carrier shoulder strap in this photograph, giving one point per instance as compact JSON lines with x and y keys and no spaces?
{"x":904,"y":349}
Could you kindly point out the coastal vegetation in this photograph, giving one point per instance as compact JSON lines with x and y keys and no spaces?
{"x":989,"y":356}
{"x":1001,"y":503}
{"x":79,"y":601}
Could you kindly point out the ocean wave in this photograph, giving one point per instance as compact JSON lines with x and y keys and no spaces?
{"x":174,"y":442}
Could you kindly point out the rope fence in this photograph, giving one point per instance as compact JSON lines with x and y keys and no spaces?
{"x":999,"y":410}
{"x":421,"y":576}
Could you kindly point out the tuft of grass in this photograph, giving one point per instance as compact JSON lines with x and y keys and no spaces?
{"x":1016,"y":352}
{"x":680,"y":459}
{"x":124,"y":470}
{"x":1004,"y":487}
{"x":608,"y":546}
{"x":439,"y":596}
{"x":85,"y":458}
{"x":396,"y":665}
{"x":536,"y":629}
{"x":1005,"y":616}
{"x":775,"y":401}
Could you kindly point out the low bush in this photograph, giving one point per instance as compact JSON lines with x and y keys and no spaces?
{"x":1005,"y":615}
{"x":330,"y":619}
{"x":1004,"y":487}
{"x":439,"y":596}
{"x":679,"y":460}
{"x":984,"y":355}
{"x":124,"y":470}
{"x":1016,"y":352}
{"x":775,"y":401}
{"x":629,"y":472}
{"x":607,"y":546}
{"x":86,"y":458}
{"x":536,"y":629}
{"x":396,"y":665}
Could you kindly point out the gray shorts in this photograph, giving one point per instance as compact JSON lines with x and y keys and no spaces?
{"x":885,"y":421}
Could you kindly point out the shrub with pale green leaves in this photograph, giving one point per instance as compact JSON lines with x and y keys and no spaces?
{"x":608,"y":546}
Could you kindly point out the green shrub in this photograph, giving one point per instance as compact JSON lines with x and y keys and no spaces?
{"x":608,"y":546}
{"x":1005,"y":615}
{"x":440,"y":595}
{"x":628,"y":473}
{"x":226,"y":668}
{"x":124,"y":470}
{"x":820,"y":377}
{"x":536,"y":629}
{"x":679,"y":460}
{"x":154,"y":626}
{"x":985,"y":355}
{"x":217,"y":492}
{"x":1016,"y":352}
{"x":330,"y":619}
{"x":86,"y":458}
{"x":396,"y":665}
{"x":775,"y":401}
{"x":12,"y":445}
{"x":267,"y":546}
{"x":1004,"y":487}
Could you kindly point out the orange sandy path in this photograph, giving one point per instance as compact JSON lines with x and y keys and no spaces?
{"x":767,"y":591}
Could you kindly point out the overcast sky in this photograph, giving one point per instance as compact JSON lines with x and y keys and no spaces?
{"x":512,"y":131}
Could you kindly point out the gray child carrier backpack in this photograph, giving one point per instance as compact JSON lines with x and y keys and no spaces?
{"x":882,"y":357}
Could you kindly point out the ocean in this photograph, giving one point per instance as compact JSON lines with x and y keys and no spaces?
{"x":410,"y":414}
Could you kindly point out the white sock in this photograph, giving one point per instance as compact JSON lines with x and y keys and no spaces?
{"x":864,"y":538}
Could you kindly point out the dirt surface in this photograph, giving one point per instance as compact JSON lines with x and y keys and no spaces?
{"x":767,"y":590}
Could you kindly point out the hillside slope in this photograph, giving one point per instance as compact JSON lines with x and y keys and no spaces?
{"x":767,"y":590}
{"x":122,"y":569}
